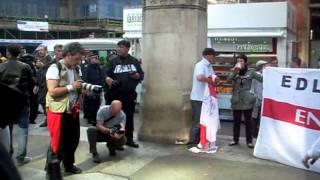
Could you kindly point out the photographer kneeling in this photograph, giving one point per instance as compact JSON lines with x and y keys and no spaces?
{"x":110,"y":128}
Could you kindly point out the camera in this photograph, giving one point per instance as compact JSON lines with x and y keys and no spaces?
{"x":92,"y":87}
{"x":116,"y":129}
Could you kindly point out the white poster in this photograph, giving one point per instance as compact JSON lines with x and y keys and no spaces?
{"x":290,"y":122}
{"x":92,"y":8}
{"x":33,"y":26}
{"x":132,"y":19}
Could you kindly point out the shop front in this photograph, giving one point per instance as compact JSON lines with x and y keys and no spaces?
{"x":260,"y":30}
{"x":250,"y":29}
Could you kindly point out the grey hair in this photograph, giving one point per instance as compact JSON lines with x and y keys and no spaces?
{"x":73,"y":48}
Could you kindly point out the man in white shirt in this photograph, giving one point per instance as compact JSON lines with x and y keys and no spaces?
{"x":203,"y":69}
{"x":62,"y":102}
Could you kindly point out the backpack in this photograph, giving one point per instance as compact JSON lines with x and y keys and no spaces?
{"x":59,"y":66}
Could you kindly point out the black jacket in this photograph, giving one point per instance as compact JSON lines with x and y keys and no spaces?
{"x":41,"y":78}
{"x":16,"y":85}
{"x":93,"y":74}
{"x":30,"y":60}
{"x":41,"y":73}
{"x":119,"y":69}
{"x":18,"y":76}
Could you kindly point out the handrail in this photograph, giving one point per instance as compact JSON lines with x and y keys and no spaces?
{"x":107,"y":21}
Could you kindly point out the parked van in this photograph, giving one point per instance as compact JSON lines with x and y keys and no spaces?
{"x":28,"y":44}
{"x":100,"y":46}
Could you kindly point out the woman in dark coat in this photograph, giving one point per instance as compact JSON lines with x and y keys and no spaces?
{"x":242,"y":100}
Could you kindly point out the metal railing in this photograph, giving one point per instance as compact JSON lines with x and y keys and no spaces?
{"x":96,"y":21}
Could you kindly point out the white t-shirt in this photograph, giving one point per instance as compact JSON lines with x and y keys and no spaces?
{"x":53,"y":74}
{"x":203,"y":67}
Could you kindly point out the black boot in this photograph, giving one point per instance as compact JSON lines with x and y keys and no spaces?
{"x":53,"y":171}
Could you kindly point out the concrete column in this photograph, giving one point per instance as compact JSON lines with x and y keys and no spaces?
{"x":174,"y":35}
{"x":304,"y":32}
{"x":282,"y":55}
{"x":66,"y":9}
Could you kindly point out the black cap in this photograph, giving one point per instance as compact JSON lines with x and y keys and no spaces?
{"x":209,"y":51}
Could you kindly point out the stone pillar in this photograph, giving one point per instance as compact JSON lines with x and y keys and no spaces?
{"x":174,"y":35}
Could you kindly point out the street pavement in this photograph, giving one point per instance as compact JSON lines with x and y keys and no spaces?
{"x":162,"y":161}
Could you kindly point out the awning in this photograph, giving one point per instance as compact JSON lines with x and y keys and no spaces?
{"x":247,"y":33}
{"x":132,"y":34}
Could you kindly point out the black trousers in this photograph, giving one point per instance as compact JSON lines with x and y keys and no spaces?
{"x":34,"y":104}
{"x":128,"y":107}
{"x":256,"y":123}
{"x":194,"y":135}
{"x":69,"y":140}
{"x":91,"y":104}
{"x":237,"y":114}
{"x":94,"y":136}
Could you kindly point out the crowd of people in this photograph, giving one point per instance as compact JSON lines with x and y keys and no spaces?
{"x":58,"y":84}
{"x":246,"y":102}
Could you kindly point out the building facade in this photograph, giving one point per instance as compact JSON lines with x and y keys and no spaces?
{"x":66,"y":18}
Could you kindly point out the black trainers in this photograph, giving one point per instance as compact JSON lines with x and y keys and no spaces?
{"x":96,"y":158}
{"x":53,"y":171}
{"x":120,"y":148}
{"x":23,"y":161}
{"x":73,"y":170}
{"x":250,"y":145}
{"x":132,"y":144}
{"x":112,"y":152}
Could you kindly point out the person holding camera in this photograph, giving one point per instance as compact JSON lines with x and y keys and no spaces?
{"x":92,"y":101}
{"x":110,"y":128}
{"x":62,"y":102}
{"x":123,"y":74}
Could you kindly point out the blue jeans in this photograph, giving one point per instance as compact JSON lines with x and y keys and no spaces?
{"x":5,"y":137}
{"x":22,"y":136}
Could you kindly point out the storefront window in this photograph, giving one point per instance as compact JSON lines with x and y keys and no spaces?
{"x":314,"y":37}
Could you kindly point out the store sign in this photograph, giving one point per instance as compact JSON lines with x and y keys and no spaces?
{"x":33,"y":26}
{"x":132,"y":19}
{"x":252,"y":48}
{"x":242,"y":44}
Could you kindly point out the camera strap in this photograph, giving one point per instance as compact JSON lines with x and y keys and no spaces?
{"x":111,"y":117}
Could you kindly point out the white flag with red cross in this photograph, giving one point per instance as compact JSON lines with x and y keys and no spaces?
{"x":290,"y":119}
{"x":209,"y":117}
